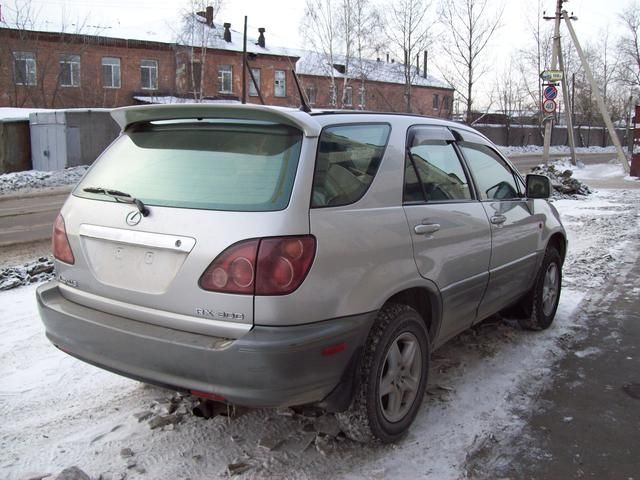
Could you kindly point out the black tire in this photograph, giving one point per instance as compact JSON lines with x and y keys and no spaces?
{"x":538,"y":309}
{"x":371,"y":415}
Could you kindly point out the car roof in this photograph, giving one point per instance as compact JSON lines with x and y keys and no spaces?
{"x":310,"y":123}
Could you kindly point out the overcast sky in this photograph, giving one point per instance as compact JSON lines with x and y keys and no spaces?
{"x":281,"y":18}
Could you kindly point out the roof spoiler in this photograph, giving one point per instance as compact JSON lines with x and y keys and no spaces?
{"x":127,"y":116}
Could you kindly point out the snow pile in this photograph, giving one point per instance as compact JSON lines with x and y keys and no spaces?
{"x":37,"y":271}
{"x":564,"y":184}
{"x":30,"y":179}
{"x":581,"y":171}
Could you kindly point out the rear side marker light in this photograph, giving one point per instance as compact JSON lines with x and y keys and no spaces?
{"x":209,"y":396}
{"x":266,"y":266}
{"x":333,"y":349}
{"x":60,"y":242}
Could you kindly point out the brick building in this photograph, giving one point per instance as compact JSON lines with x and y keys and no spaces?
{"x":370,"y":85}
{"x":63,"y":70}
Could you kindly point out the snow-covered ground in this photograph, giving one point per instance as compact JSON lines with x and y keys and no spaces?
{"x":554,"y":150}
{"x":58,"y":412}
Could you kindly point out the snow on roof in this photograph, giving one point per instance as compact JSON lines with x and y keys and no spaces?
{"x":315,"y":63}
{"x":195,"y":32}
{"x":169,"y":99}
{"x":10,"y":113}
{"x":190,"y":31}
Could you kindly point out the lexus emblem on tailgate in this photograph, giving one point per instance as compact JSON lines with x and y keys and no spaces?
{"x":133,"y":218}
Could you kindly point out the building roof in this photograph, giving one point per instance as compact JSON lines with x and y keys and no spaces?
{"x":315,"y":63}
{"x":193,"y":31}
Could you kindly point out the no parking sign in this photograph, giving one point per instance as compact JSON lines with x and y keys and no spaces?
{"x":550,"y":92}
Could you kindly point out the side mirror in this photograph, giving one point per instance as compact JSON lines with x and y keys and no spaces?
{"x":538,"y":186}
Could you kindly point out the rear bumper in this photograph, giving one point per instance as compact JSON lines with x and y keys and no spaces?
{"x":267,"y":367}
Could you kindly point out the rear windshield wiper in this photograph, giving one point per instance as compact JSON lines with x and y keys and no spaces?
{"x":120,"y":197}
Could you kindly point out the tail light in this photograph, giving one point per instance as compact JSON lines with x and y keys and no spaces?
{"x":60,"y":242}
{"x":233,"y":271}
{"x":267,"y":266}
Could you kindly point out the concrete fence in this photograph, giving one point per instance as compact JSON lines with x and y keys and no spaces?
{"x":520,"y":135}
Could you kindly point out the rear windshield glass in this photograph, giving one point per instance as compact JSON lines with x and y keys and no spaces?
{"x":216,"y":166}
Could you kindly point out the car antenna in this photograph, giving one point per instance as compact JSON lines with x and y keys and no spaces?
{"x":304,"y":106}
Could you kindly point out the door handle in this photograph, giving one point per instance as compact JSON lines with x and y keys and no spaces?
{"x":498,"y":219}
{"x":425,"y":228}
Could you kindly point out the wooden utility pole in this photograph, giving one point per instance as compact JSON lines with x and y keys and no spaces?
{"x":554,"y":65}
{"x":568,"y":110}
{"x":557,"y":58}
{"x":596,"y":92}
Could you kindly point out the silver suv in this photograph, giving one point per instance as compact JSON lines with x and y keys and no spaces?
{"x":270,"y":257}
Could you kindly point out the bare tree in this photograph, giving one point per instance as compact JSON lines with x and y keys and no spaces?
{"x":469,"y":25}
{"x":408,"y":30}
{"x":535,"y":57}
{"x":366,"y":24}
{"x":340,"y":32}
{"x":320,"y":27}
{"x":197,"y":35}
{"x":37,"y":76}
{"x":629,"y":44}
{"x":510,"y":95}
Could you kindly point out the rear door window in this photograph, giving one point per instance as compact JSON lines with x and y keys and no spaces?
{"x":347,"y":161}
{"x":239,"y":166}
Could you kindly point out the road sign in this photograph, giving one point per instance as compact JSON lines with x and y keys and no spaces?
{"x":550,"y":92}
{"x":552,"y":75}
{"x":549,"y":106}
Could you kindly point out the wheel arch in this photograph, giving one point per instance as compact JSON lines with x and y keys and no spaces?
{"x":426,"y":302}
{"x":559,"y":242}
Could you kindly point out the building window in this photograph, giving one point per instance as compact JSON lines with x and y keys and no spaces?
{"x":348,"y":96}
{"x":253,"y":91}
{"x":312,"y":93}
{"x":445,"y":103}
{"x":111,"y":72}
{"x":69,"y":70}
{"x":436,"y":101}
{"x":24,"y":66}
{"x":149,"y":74}
{"x":225,"y":79}
{"x":363,"y":98}
{"x":280,"y":83}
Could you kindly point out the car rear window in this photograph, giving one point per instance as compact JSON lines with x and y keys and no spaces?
{"x":236,"y":166}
